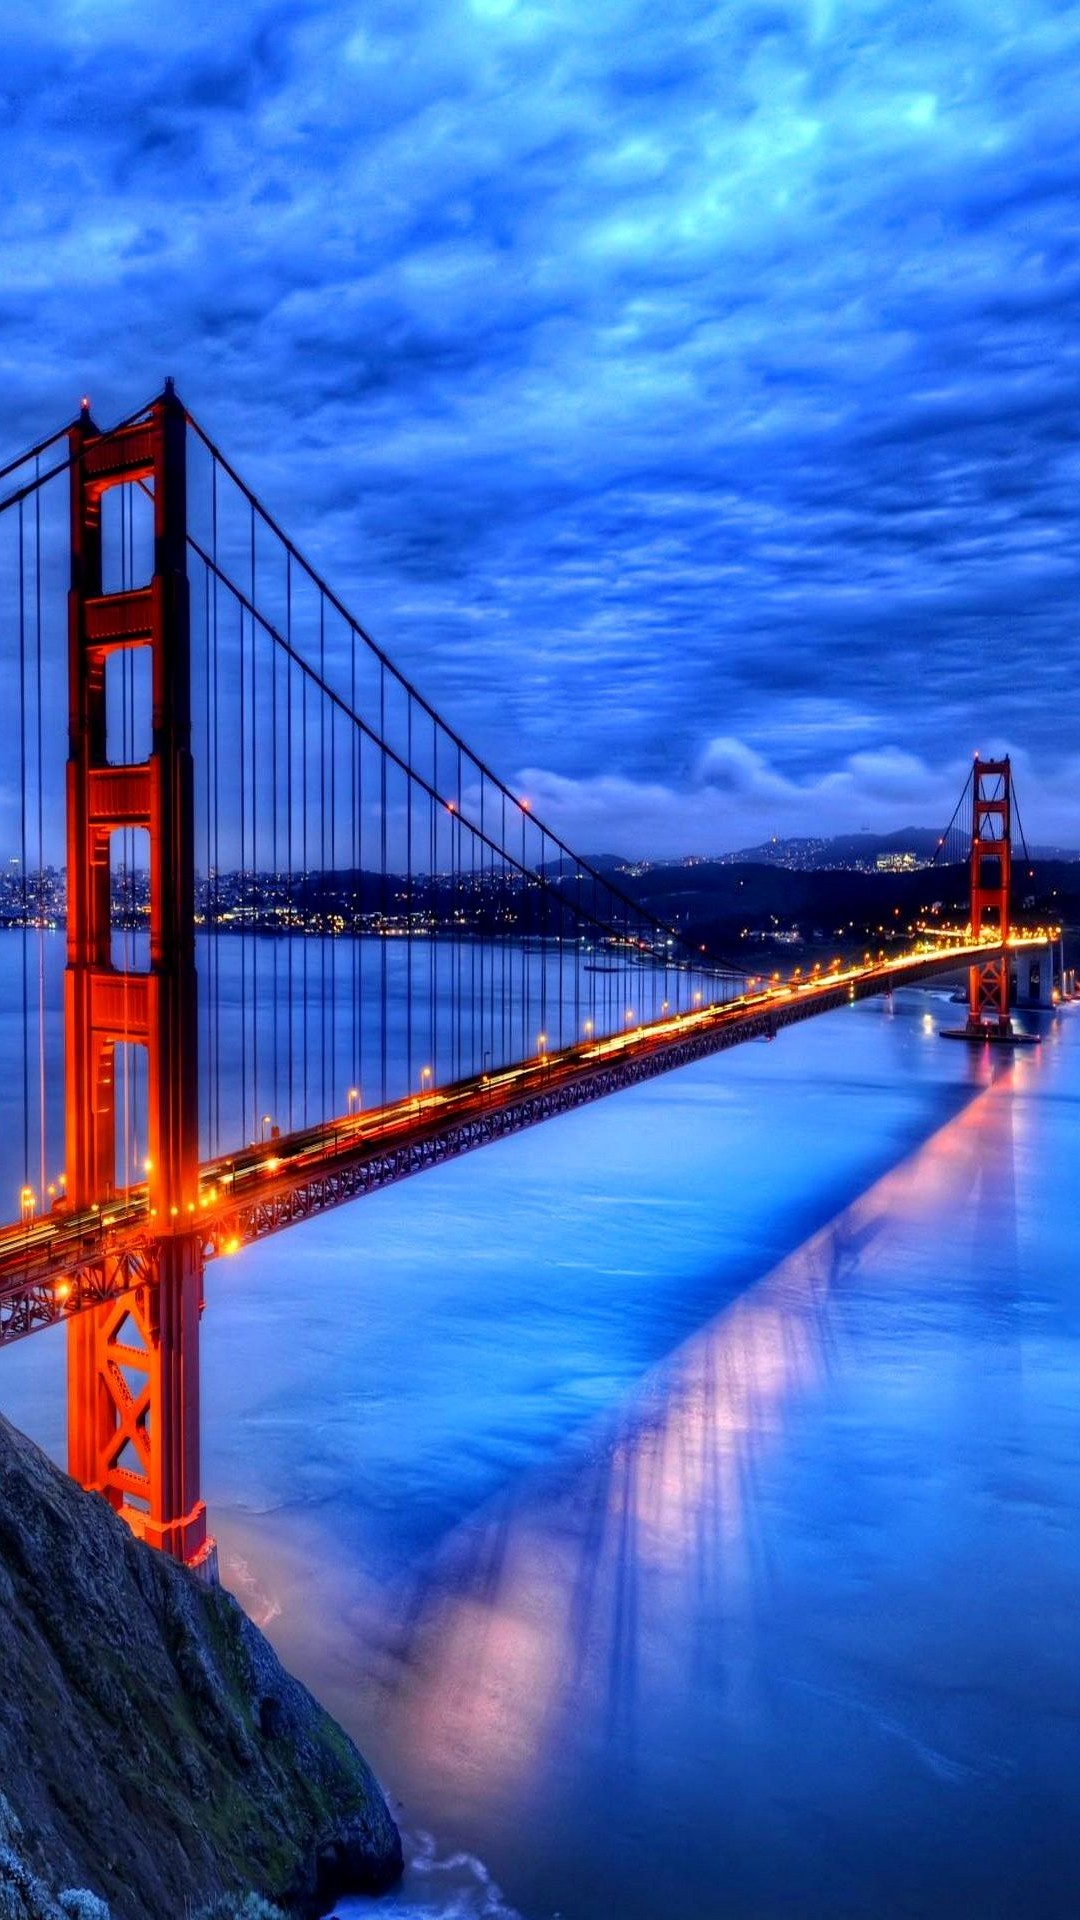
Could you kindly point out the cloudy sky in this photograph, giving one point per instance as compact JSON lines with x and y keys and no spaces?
{"x":685,"y":395}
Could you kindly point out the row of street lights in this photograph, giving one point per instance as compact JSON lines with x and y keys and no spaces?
{"x":353,"y":1096}
{"x":28,"y":1199}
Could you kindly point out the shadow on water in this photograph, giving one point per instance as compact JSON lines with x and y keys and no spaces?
{"x":734,"y":1636}
{"x":588,"y":1304}
{"x":735,"y":1579}
{"x":671,"y":1479}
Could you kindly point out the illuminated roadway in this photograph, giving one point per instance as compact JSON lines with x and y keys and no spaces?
{"x":52,"y":1267}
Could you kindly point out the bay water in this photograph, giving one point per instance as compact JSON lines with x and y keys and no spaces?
{"x":679,"y":1503}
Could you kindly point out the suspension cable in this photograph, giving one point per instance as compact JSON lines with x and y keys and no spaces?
{"x":390,"y":753}
{"x":72,"y":458}
{"x":619,"y":898}
{"x":456,"y":740}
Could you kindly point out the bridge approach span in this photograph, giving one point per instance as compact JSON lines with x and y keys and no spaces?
{"x":66,"y":1263}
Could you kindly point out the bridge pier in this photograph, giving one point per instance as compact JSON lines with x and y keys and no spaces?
{"x":1038,"y":977}
{"x":133,"y":1404}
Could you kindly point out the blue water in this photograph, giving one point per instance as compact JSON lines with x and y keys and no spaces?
{"x":679,"y":1503}
{"x":293,"y":1030}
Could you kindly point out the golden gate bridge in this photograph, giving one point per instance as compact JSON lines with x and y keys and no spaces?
{"x":356,"y":953}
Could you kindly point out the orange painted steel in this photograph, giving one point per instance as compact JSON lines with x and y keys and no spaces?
{"x":991,"y":885}
{"x":133,"y":1363}
{"x":122,"y":1260}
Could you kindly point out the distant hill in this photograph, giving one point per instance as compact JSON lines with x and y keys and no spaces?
{"x":860,"y":850}
{"x":850,"y":852}
{"x":565,"y":867}
{"x":735,"y":906}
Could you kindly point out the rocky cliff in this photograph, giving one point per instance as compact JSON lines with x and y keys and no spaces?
{"x":152,"y":1748}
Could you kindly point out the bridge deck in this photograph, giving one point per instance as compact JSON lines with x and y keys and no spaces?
{"x":56,"y":1266}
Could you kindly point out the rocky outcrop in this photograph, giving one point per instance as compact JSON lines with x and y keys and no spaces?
{"x":153,"y":1750}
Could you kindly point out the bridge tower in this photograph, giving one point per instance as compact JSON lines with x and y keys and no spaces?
{"x":991,"y":884}
{"x":133,"y":1363}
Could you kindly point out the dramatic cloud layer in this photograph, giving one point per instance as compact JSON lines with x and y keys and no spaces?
{"x":687,"y":395}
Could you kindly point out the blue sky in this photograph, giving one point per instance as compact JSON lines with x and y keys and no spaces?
{"x":686,"y":396}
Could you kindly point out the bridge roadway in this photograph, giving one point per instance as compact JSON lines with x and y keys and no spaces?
{"x":53,"y":1267}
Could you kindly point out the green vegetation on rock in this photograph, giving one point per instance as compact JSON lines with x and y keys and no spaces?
{"x":153,"y":1749}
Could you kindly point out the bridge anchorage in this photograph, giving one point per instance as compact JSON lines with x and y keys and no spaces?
{"x":352,"y":951}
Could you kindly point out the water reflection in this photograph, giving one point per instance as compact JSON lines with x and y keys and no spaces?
{"x":662,"y":1568}
{"x":627,"y":1614}
{"x":639,"y":1537}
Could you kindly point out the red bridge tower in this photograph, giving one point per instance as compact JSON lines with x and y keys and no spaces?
{"x":991,"y":886}
{"x":133,"y":1366}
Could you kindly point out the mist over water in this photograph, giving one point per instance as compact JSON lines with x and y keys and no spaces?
{"x":678,"y":1503}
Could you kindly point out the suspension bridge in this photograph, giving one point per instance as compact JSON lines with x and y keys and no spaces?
{"x":278,"y":937}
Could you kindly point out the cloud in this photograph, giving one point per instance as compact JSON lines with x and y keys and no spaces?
{"x":646,"y":379}
{"x":739,"y":798}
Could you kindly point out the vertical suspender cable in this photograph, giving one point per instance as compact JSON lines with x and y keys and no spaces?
{"x":429,"y":1050}
{"x":409,"y":923}
{"x":305,"y":941}
{"x":382,"y":885}
{"x":207,"y":1077}
{"x":256,"y":1099}
{"x":357,"y":804}
{"x":325,"y":933}
{"x":42,"y":1161}
{"x":456,"y":824}
{"x":289,"y":824}
{"x":335,"y":1077}
{"x":245,"y":1135}
{"x":275,"y":862}
{"x":22,"y":852}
